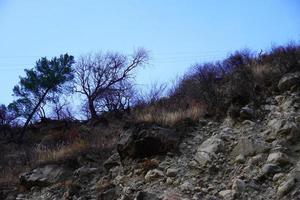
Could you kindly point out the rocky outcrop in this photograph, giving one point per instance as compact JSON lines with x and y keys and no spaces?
{"x":146,"y":140}
{"x":112,"y":161}
{"x":254,"y":157}
{"x":44,"y":176}
{"x":208,"y":149}
{"x":250,"y":146}
{"x":289,"y":80}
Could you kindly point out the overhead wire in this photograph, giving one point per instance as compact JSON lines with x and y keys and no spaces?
{"x":158,"y":58}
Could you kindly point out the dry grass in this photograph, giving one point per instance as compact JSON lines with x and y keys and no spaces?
{"x":10,"y":175}
{"x":74,"y":148}
{"x":61,"y":152}
{"x":167,"y":117}
{"x":54,"y":146}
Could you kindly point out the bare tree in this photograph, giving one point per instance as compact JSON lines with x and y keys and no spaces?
{"x":155,"y":92}
{"x":119,"y":98}
{"x":61,"y":108}
{"x":98,"y":76}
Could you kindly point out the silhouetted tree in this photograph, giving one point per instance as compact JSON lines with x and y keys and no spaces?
{"x":153,"y":94}
{"x":33,"y":90}
{"x":3,"y":115}
{"x":61,"y":108}
{"x":118,"y":98}
{"x":99,"y":76}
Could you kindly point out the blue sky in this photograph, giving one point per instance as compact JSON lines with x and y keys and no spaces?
{"x":177,"y":33}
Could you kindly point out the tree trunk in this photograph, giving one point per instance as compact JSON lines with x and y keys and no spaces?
{"x":92,"y":109}
{"x":22,"y":134}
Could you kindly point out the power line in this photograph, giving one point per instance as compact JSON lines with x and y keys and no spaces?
{"x":158,"y":58}
{"x":156,"y":53}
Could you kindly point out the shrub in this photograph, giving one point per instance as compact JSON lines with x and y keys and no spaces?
{"x":270,"y":66}
{"x":241,"y":78}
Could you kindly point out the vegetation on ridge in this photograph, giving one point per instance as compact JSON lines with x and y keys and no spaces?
{"x":207,"y":90}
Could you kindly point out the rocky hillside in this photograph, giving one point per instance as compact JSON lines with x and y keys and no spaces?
{"x":253,"y":156}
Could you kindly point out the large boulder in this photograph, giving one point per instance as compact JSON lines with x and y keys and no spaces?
{"x":278,"y":158}
{"x":44,"y":176}
{"x":283,"y":128}
{"x":208,"y":149}
{"x":250,"y":146}
{"x":112,"y":161}
{"x":285,"y":187}
{"x":145,"y":140}
{"x":289,"y":80}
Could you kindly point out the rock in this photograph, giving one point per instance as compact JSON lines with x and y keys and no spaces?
{"x":169,"y":181}
{"x":112,"y":161}
{"x":289,"y":80}
{"x":203,"y":157}
{"x":172,"y":172}
{"x":290,"y":104}
{"x":208,"y":149}
{"x":44,"y":176}
{"x":153,"y":174}
{"x":296,"y":172}
{"x":146,"y":140}
{"x":146,"y":196}
{"x":269,"y":135}
{"x":285,"y":187}
{"x":248,"y":122}
{"x":238,"y":185}
{"x":278,"y":176}
{"x":270,"y":169}
{"x":226,"y":194}
{"x":187,"y":187}
{"x":246,"y":113}
{"x":255,"y":160}
{"x":240,"y":159}
{"x":84,"y":171}
{"x":288,"y":130}
{"x":211,"y":145}
{"x":113,"y":192}
{"x":21,"y":197}
{"x":250,"y":146}
{"x":278,"y":158}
